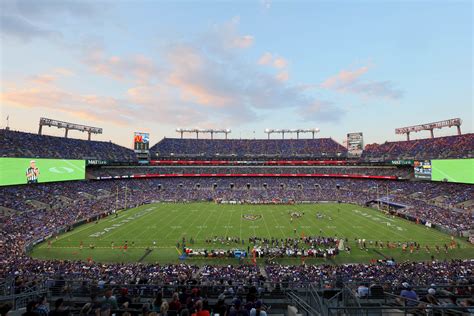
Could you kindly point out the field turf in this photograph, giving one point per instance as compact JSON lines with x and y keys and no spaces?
{"x":166,"y":224}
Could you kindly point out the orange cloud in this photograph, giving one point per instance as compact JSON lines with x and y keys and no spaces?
{"x":280,"y":62}
{"x":265,"y":59}
{"x":138,"y":68}
{"x":93,"y":107}
{"x":349,"y":81}
{"x":43,"y":79}
{"x":274,"y":61}
{"x":191,"y":91}
{"x":283,"y":76}
{"x":243,"y":41}
{"x":344,"y":77}
{"x":51,"y":76}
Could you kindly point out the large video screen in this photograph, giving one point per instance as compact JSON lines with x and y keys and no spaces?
{"x":141,"y":142}
{"x":37,"y":170}
{"x":453,"y":170}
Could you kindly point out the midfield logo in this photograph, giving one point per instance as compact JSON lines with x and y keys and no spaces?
{"x":296,"y":214}
{"x":251,"y":217}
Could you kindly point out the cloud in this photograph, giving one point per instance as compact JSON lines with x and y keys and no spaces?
{"x":274,"y":61}
{"x":138,"y":67}
{"x":31,"y":19}
{"x":280,"y":62}
{"x":344,"y":78}
{"x":203,"y":81}
{"x":322,"y":111}
{"x":266,"y":4}
{"x":95,"y":108}
{"x":283,"y":76}
{"x":243,"y":41}
{"x":51,"y":77}
{"x":349,"y":81}
{"x":266,"y":59}
{"x":225,"y":39}
{"x":43,"y":79}
{"x":20,"y":28}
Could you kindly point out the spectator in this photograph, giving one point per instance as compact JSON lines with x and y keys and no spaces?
{"x":59,"y":308}
{"x":410,"y":298}
{"x":175,"y":304}
{"x":108,"y":300}
{"x":257,"y":311}
{"x":164,"y":309}
{"x":42,"y":309}
{"x":199,"y":309}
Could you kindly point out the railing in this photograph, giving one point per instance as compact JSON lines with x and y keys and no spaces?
{"x":19,"y":299}
{"x":302,"y":305}
{"x":394,"y":310}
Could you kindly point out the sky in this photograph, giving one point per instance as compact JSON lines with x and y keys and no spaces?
{"x":154,"y":66}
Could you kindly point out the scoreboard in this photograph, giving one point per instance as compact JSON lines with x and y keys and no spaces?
{"x":422,"y":169}
{"x":141,"y":142}
{"x":355,"y":144}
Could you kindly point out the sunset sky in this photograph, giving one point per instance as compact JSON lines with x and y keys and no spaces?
{"x":152,"y":66}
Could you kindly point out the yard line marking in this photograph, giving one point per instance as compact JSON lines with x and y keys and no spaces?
{"x":241,"y":219}
{"x":162,"y":220}
{"x":182,"y":222}
{"x":266,"y":226}
{"x":218,"y":220}
{"x":108,"y":236}
{"x":276,"y":222}
{"x":203,"y":225}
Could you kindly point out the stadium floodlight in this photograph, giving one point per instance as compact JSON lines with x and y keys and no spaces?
{"x":430,"y":127}
{"x":296,"y":131}
{"x":198,"y":131}
{"x":68,"y":126}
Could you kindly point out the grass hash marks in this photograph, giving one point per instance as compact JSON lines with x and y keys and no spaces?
{"x":167,"y":223}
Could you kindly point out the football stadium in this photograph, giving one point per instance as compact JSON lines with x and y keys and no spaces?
{"x":166,"y":218}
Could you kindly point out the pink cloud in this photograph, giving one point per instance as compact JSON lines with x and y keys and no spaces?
{"x":283,"y":76}
{"x":51,"y":76}
{"x":243,"y":41}
{"x":95,"y":108}
{"x":43,"y":79}
{"x":280,"y":62}
{"x":349,"y":81}
{"x":344,"y":77}
{"x":137,"y":68}
{"x":266,"y":59}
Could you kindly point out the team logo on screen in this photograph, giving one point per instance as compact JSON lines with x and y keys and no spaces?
{"x":251,"y":217}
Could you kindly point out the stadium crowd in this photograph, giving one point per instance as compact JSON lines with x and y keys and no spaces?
{"x":375,"y":171}
{"x":281,"y":148}
{"x":21,"y":144}
{"x":459,"y":146}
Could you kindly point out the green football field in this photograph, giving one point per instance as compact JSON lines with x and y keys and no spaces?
{"x":167,"y":223}
{"x":13,"y":170}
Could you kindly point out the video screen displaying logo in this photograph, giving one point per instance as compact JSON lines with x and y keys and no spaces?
{"x":141,"y":141}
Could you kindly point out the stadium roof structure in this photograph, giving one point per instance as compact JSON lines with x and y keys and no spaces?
{"x":430,"y":127}
{"x":211,"y":131}
{"x":68,"y":126}
{"x":296,"y":131}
